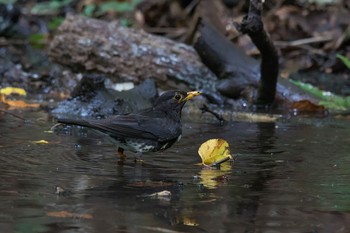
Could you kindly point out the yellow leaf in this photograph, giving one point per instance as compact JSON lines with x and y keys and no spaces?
{"x":15,"y":103}
{"x":41,"y":142}
{"x":214,"y":151}
{"x":12,"y":90}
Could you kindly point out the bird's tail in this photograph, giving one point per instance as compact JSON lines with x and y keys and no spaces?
{"x":75,"y":122}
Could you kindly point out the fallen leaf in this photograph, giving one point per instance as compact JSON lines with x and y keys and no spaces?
{"x":190,"y":221}
{"x":214,"y":152}
{"x":41,"y":142}
{"x":6,"y":91}
{"x":18,"y":103}
{"x":307,"y":106}
{"x":12,"y":90}
{"x":66,"y":214}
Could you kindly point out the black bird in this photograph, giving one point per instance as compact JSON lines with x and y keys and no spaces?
{"x":149,"y":130}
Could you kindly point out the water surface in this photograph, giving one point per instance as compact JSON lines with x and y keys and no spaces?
{"x":289,"y":176}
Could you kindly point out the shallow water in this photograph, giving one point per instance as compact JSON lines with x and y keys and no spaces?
{"x":289,"y":176}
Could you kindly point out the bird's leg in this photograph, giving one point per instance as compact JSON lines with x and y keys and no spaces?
{"x":138,"y":157}
{"x":122,"y":156}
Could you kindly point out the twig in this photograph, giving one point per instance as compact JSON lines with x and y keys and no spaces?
{"x":13,"y":114}
{"x":193,"y":29}
{"x":6,"y":42}
{"x":304,"y":41}
{"x":191,"y":6}
{"x":253,"y":26}
{"x":166,"y":30}
{"x":205,"y":109}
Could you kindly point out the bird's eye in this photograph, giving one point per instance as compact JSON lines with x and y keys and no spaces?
{"x":177,"y":97}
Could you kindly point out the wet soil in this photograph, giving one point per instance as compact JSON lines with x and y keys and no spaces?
{"x":288,"y":176}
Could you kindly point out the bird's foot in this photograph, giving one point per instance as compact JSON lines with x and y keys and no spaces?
{"x":138,"y":158}
{"x":121,"y":162}
{"x":122,"y":156}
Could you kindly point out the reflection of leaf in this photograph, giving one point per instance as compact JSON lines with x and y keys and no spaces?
{"x":211,"y":178}
{"x":66,"y":214}
{"x":214,"y":151}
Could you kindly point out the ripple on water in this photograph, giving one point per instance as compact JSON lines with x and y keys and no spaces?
{"x":287,"y":177}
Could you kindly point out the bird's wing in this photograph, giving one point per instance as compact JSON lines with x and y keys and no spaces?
{"x":134,"y":125}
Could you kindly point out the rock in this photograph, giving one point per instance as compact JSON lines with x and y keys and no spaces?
{"x":91,"y":99}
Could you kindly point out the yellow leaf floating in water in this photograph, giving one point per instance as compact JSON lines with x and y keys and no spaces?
{"x":214,"y":151}
{"x":12,"y":90}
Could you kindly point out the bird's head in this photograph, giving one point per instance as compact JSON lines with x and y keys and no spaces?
{"x":174,"y":100}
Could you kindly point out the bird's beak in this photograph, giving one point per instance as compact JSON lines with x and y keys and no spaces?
{"x":191,"y":94}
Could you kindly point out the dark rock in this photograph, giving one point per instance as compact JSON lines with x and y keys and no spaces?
{"x":91,"y":99}
{"x":9,"y":15}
